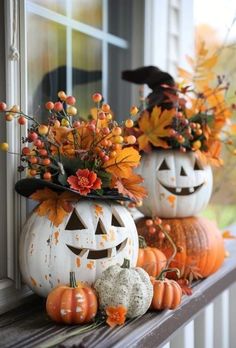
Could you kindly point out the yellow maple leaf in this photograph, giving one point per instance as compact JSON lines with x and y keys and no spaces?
{"x":155,"y":128}
{"x":130,"y":187}
{"x":54,"y":205}
{"x":121,"y":165}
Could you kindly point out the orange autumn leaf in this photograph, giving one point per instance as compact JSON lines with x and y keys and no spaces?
{"x":185,"y":286}
{"x":121,"y":165}
{"x":116,"y":315}
{"x":233,"y":129}
{"x":212,"y":156}
{"x":228,"y":235}
{"x":155,"y":128}
{"x":55,"y":206}
{"x":209,"y":63}
{"x":130,"y":187}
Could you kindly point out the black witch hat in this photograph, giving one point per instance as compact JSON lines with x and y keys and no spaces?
{"x":159,"y":81}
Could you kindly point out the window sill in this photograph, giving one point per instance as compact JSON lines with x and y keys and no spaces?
{"x":29,"y":326}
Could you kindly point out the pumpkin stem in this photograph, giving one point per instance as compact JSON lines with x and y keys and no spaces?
{"x":72,"y":280}
{"x":142,"y":242}
{"x":168,"y":270}
{"x":172,"y":244}
{"x":126,"y":264}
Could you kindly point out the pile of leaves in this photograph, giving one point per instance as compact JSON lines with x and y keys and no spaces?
{"x":90,"y":156}
{"x":199,"y":115}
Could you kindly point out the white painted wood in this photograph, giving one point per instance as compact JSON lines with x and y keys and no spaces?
{"x":186,"y":32}
{"x":69,"y":62}
{"x":167,"y":345}
{"x":184,"y":337}
{"x":105,"y":51}
{"x":178,"y":339}
{"x":232,"y":315}
{"x":14,"y":81}
{"x":155,"y":34}
{"x":189,"y":335}
{"x":221,"y":321}
{"x":204,"y":328}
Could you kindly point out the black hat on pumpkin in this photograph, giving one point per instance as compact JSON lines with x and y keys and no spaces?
{"x":26,"y":187}
{"x":159,"y":81}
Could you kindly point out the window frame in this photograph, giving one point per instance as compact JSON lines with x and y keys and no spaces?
{"x":12,"y":291}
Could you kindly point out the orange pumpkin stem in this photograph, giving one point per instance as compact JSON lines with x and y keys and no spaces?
{"x":72,"y":280}
{"x":168,"y":270}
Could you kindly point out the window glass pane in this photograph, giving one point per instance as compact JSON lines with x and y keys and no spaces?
{"x":87,"y":69}
{"x":118,"y":90}
{"x":54,"y":5}
{"x":120,"y":18}
{"x":46,"y":61}
{"x":89,"y":12}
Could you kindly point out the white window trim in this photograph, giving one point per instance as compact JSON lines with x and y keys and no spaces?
{"x":157,"y":32}
{"x":11,"y":290}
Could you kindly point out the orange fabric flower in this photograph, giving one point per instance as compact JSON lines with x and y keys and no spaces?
{"x":116,"y":315}
{"x":84,"y":181}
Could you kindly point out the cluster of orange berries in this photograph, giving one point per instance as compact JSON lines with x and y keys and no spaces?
{"x":156,"y":225}
{"x":108,"y":136}
{"x":185,"y":132}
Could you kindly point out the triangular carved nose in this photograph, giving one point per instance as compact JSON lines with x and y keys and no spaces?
{"x":182,"y":172}
{"x":100,"y":228}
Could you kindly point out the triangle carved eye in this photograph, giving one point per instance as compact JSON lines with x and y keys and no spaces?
{"x":164,"y":166}
{"x":115,"y":222}
{"x":100,"y":228}
{"x":75,"y":222}
{"x":197,"y":166}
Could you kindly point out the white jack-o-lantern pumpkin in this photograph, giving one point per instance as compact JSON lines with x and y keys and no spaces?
{"x":93,"y":237}
{"x":178,"y":184}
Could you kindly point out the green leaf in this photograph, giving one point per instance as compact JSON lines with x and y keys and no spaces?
{"x":99,"y":192}
{"x":62,"y":178}
{"x":105,"y":177}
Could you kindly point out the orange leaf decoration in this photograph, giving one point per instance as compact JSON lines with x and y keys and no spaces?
{"x":155,"y":127}
{"x":228,"y":235}
{"x":185,"y":286}
{"x":130,"y":187}
{"x":121,"y":165}
{"x":116,"y":315}
{"x":54,"y":205}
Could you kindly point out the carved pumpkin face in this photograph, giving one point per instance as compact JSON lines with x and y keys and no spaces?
{"x":93,"y":237}
{"x":178,"y":184}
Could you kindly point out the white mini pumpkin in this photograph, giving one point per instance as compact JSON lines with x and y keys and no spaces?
{"x":178,"y":184}
{"x":129,"y":287}
{"x":93,"y":237}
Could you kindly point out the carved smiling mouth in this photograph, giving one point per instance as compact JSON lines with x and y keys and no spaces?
{"x":99,"y":254}
{"x":182,"y":191}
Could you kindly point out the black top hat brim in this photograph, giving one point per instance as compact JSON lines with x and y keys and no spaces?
{"x":26,"y":187}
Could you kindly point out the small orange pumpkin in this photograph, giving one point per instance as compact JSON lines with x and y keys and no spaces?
{"x":199,"y":245}
{"x":73,"y":304}
{"x":152,"y":260}
{"x":166,"y":292}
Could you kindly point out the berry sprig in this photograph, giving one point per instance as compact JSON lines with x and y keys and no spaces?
{"x":56,"y":149}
